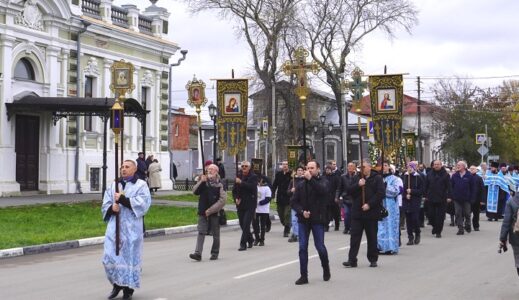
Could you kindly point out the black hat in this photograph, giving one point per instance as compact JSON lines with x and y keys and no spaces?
{"x":140,"y":153}
{"x":494,"y":164}
{"x":502,"y":165}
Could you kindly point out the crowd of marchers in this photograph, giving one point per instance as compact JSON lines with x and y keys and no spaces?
{"x":380,"y":201}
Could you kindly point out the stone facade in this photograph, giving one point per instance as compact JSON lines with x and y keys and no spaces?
{"x":41,"y":36}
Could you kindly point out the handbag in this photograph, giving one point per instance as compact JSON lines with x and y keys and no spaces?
{"x":222,"y":217}
{"x":383,"y":213}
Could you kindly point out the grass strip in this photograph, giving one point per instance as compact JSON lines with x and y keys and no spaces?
{"x":40,"y":224}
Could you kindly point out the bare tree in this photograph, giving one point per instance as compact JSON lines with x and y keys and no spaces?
{"x":334,"y":27}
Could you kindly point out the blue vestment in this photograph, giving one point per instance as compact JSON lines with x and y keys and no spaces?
{"x":388,"y":229}
{"x":494,"y":183}
{"x":125,"y":269}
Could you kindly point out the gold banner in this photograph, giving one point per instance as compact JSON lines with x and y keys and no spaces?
{"x":387,"y":94}
{"x":232,"y":97}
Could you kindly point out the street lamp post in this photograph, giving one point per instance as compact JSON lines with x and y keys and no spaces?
{"x":323,"y":121}
{"x":170,"y":94}
{"x":213,"y":113}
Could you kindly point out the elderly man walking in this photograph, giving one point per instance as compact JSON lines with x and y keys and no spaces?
{"x":462,"y":193}
{"x":211,"y":199}
{"x":131,"y":203}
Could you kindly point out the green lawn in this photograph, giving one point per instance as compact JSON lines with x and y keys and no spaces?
{"x":40,"y":224}
{"x":190,"y":198}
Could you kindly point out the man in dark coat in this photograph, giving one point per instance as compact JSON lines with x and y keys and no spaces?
{"x":437,"y":193}
{"x":334,"y":181}
{"x":368,"y":191}
{"x":346,"y":199}
{"x":411,"y":202}
{"x":142,"y":169}
{"x":462,"y":186}
{"x":478,"y":196}
{"x":245,"y":193}
{"x":281,"y":182}
{"x":310,"y":204}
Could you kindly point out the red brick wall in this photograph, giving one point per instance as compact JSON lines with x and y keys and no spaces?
{"x":184,"y":122}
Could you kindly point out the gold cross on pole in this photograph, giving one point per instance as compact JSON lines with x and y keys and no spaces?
{"x":299,"y":68}
{"x":356,"y":86}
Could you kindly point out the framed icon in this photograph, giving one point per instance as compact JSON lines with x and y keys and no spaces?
{"x":232,"y":104}
{"x":122,"y":77}
{"x":386,"y":100}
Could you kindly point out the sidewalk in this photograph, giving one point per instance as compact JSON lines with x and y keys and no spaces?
{"x":74,"y":198}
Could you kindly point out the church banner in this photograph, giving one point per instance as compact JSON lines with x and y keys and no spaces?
{"x":387,"y":94}
{"x":293,"y":156}
{"x":232,"y":97}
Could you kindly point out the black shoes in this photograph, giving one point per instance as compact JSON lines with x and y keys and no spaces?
{"x":115,"y":291}
{"x":411,"y":242}
{"x":256,"y":242}
{"x":438,"y":235}
{"x":460,"y":232}
{"x":242,"y":248}
{"x":127,"y":293}
{"x":345,"y":231}
{"x":195,"y":256}
{"x":249,"y":244}
{"x":417,"y":239}
{"x":468,"y":229}
{"x":292,"y":239}
{"x":261,"y":243}
{"x":285,"y":234}
{"x":302,"y":280}
{"x":350,"y":264}
{"x":214,"y":257}
{"x":476,"y":229}
{"x":373,"y":264}
{"x":326,"y":273}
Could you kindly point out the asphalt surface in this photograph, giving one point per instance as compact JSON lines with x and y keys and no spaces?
{"x":453,"y":267}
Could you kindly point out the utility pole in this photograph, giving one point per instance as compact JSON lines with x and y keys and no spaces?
{"x":419,"y":112}
{"x":273,"y":126}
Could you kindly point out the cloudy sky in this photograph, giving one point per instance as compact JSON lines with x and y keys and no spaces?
{"x":466,"y":38}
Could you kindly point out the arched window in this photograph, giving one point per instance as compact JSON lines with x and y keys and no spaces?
{"x":24,"y":70}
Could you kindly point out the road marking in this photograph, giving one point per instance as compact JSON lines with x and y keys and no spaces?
{"x":283,"y":265}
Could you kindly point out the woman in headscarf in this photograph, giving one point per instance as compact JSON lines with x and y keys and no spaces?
{"x":388,"y":228}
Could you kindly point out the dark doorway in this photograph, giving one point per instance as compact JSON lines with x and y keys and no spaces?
{"x":27,"y":151}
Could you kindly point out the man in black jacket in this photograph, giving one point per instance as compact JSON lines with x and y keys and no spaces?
{"x":281,"y":182}
{"x":310,"y":204}
{"x":368,"y":191}
{"x":245,"y":193}
{"x":479,"y":196}
{"x":437,"y":194}
{"x":334,"y":180}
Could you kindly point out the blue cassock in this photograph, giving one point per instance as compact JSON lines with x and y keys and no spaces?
{"x":494,"y":183}
{"x":125,"y":269}
{"x":388,"y":228}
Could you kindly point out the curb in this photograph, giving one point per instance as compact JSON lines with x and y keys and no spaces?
{"x":51,"y":247}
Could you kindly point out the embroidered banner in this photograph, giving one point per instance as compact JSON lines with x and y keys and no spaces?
{"x":232,"y":97}
{"x":386,"y":94}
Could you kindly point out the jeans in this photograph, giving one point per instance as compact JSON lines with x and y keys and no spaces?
{"x":347,"y":216}
{"x":318,"y":234}
{"x":295,"y":224}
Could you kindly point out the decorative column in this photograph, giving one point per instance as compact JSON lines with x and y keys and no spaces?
{"x":106,"y":10}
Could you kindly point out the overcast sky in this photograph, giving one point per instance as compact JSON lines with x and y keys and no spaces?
{"x":466,"y":38}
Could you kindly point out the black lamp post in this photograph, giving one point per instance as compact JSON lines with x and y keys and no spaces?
{"x":323,"y":121}
{"x":213,"y":113}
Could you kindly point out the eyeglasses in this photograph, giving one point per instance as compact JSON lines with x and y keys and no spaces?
{"x":244,"y":167}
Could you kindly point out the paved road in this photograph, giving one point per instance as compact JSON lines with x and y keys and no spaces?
{"x":454,"y":267}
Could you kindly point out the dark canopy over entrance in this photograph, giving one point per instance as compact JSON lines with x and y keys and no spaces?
{"x":63,"y":107}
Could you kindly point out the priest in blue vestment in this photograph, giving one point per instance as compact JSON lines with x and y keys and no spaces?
{"x":388,"y":228}
{"x":497,"y":193}
{"x":131,"y":203}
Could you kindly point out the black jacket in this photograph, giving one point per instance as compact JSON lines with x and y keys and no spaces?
{"x":416,"y":184}
{"x":247,"y":191}
{"x":281,"y":182}
{"x":345,"y":181}
{"x":310,"y":195}
{"x":437,"y":186}
{"x":374,"y":192}
{"x":478,"y":190}
{"x":335,"y":181}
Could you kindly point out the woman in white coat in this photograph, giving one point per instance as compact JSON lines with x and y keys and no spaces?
{"x":154,"y":175}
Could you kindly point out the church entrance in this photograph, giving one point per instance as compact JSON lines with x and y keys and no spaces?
{"x":27,"y":144}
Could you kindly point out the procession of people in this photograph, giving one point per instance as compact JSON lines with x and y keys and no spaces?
{"x":367,"y":198}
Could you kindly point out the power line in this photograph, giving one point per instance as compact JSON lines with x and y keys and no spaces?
{"x":432,"y":77}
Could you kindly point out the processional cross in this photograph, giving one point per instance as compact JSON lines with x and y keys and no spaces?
{"x":356,"y":86}
{"x":299,"y":68}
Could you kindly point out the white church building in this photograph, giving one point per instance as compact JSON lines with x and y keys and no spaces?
{"x":55,"y":91}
